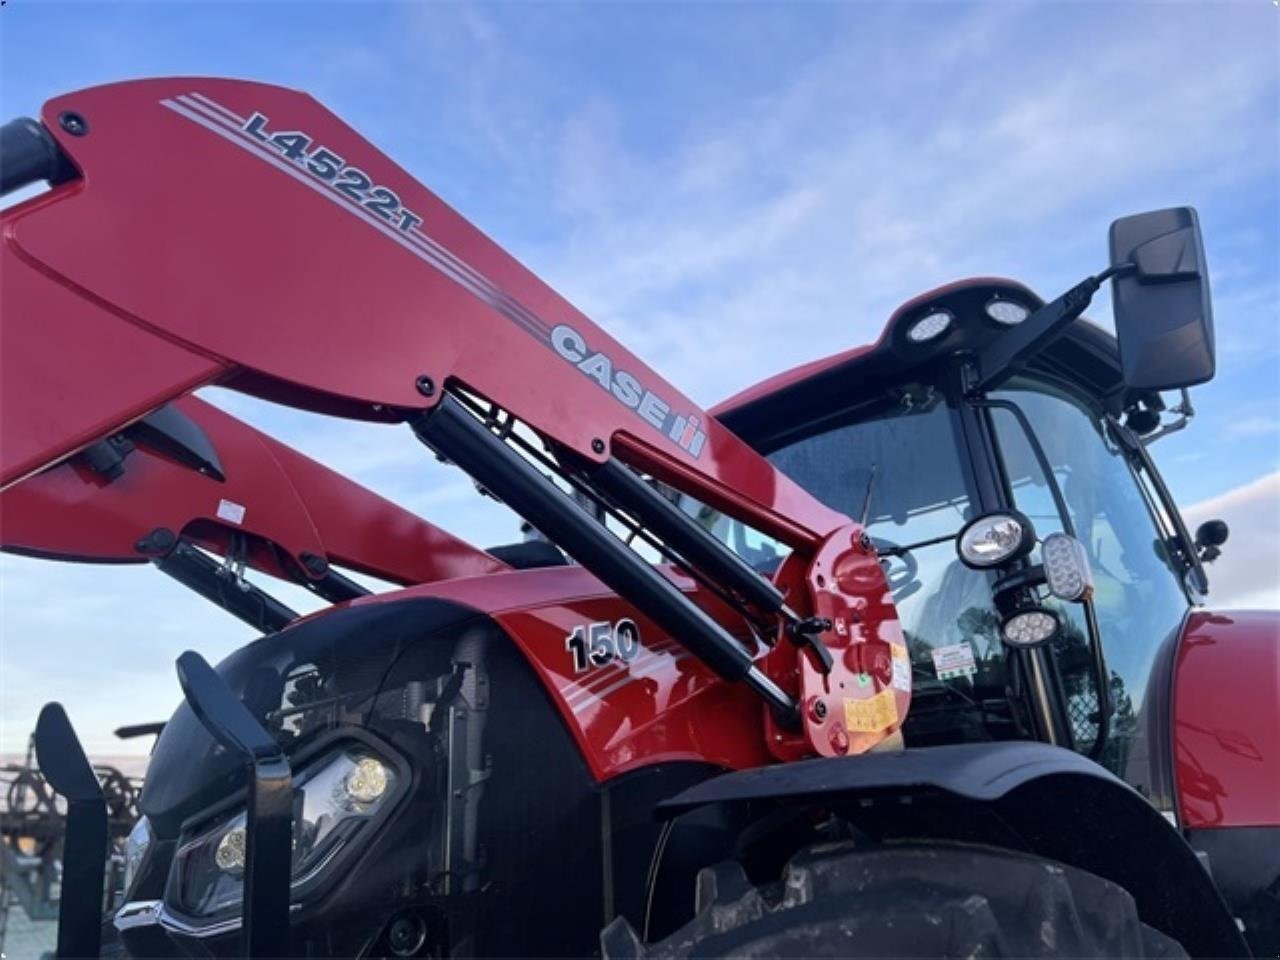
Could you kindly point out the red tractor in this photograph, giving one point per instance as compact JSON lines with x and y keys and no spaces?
{"x":900,"y":653}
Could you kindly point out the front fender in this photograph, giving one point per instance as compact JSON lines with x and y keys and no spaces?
{"x":1019,"y":795}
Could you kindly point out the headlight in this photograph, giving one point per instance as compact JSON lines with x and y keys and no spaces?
{"x":994,"y":539}
{"x":335,"y":798}
{"x":1028,"y":628}
{"x":135,"y":848}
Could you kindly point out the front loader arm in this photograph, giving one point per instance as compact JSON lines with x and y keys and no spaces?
{"x":217,"y":231}
{"x":261,"y":272}
{"x":249,"y":498}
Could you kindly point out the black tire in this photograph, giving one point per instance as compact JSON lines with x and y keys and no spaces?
{"x":909,"y":901}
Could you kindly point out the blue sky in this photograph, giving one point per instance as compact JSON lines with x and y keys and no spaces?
{"x":731,"y":190}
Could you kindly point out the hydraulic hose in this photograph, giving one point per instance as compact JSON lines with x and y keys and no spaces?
{"x":28,"y":153}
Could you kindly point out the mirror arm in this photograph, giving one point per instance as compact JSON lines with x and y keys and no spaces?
{"x":1184,"y":410}
{"x":1009,"y":353}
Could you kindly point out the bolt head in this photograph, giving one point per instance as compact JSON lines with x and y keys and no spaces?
{"x":407,"y":935}
{"x":316,"y":565}
{"x":426,"y":386}
{"x":159,"y":540}
{"x":597,"y":445}
{"x":73,"y":123}
{"x":838,"y":739}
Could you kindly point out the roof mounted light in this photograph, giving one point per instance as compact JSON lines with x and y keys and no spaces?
{"x":929,"y":327}
{"x":1007,"y":313}
{"x":1030,"y":627}
{"x":995,"y":539}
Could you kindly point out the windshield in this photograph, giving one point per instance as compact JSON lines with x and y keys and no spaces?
{"x":1137,"y":597}
{"x":897,"y":463}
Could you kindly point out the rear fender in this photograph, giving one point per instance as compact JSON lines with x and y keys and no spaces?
{"x":1023,"y":796}
{"x":1226,"y":714}
{"x":1226,"y":746}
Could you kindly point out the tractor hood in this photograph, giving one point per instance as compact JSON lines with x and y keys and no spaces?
{"x":473,"y":769}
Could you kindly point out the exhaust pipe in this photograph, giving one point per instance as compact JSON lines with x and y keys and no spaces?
{"x":29,"y":153}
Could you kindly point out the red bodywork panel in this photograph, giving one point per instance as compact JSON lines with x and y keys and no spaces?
{"x":238,"y":233}
{"x":665,"y":705}
{"x":797,"y":374}
{"x":1226,"y":715}
{"x":69,"y":512}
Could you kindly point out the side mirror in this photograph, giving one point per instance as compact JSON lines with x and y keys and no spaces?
{"x":1164,"y":318}
{"x":1210,"y":536}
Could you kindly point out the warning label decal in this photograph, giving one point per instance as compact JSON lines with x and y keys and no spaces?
{"x":871,"y":715}
{"x":954,"y":661}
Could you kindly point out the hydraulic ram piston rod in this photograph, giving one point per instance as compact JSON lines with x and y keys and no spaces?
{"x":458,"y":436}
{"x":688,"y":538}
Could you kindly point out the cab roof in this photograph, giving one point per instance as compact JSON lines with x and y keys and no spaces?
{"x":1084,"y":356}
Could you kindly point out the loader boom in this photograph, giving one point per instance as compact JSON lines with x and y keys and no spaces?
{"x":237,"y":233}
{"x":258,"y":504}
{"x":228,"y":261}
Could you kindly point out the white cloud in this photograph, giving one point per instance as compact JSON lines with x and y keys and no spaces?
{"x":1253,"y":426}
{"x":799,"y":221}
{"x":1247,"y":575}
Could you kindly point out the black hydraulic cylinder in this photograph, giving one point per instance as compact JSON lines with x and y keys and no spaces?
{"x":683,"y":534}
{"x":269,"y":817}
{"x":84,"y":843}
{"x":28,"y":154}
{"x":241,"y":599}
{"x":458,"y":436}
{"x":336,"y":588}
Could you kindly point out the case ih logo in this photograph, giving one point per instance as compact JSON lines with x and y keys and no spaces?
{"x":298,"y":155}
{"x":627,"y":390}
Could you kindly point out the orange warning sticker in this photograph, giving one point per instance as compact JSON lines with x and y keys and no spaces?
{"x":871,"y":715}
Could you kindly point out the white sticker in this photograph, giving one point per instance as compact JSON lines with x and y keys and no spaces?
{"x":902,"y":673}
{"x":230,"y":511}
{"x":954,"y":661}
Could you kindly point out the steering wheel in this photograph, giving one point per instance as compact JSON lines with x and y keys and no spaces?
{"x":904,"y":581}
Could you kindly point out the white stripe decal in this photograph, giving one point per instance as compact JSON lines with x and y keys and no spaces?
{"x":213,"y":111}
{"x":597,"y":695}
{"x":575,"y":690}
{"x":578,"y":692}
{"x":484,"y":287}
{"x":238,"y":120}
{"x":423,"y":247}
{"x":601,"y":678}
